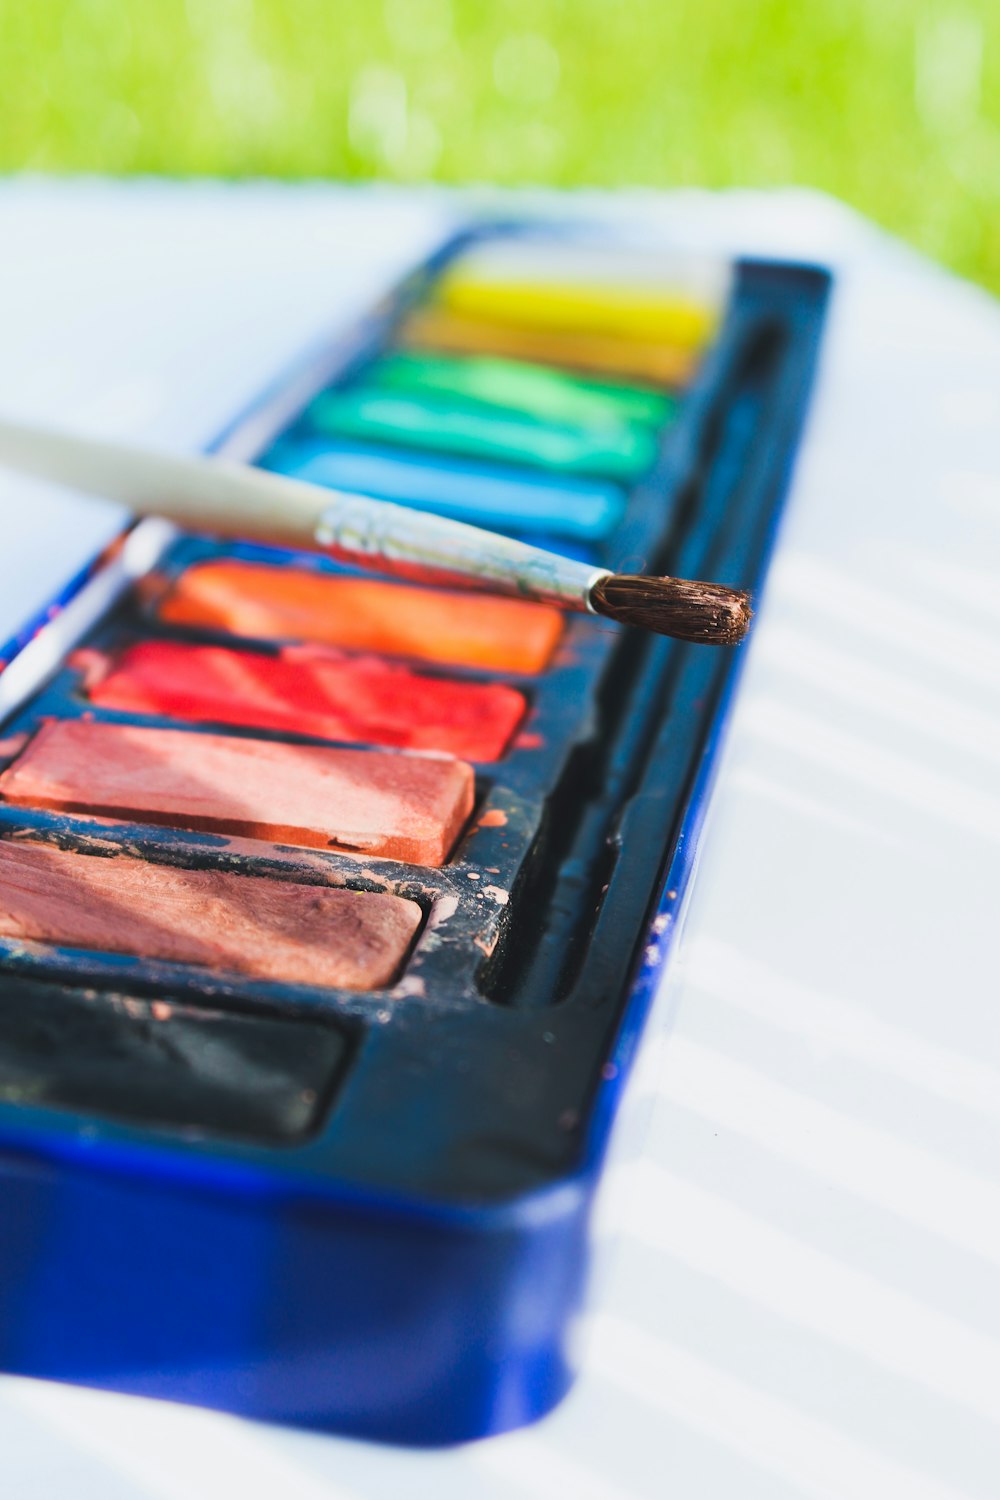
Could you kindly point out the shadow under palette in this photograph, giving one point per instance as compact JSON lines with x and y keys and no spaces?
{"x":330,"y":907}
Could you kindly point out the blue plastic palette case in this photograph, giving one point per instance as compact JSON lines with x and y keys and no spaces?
{"x":331,"y":907}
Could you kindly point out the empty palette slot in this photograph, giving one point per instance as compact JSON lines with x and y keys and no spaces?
{"x":307,"y":690}
{"x":264,"y":601}
{"x":264,"y":929}
{"x":158,"y":1063}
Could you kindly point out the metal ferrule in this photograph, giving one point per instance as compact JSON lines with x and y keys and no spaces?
{"x":430,"y":549}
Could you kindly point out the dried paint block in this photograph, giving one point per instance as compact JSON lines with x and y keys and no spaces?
{"x":502,"y":496}
{"x":297,"y":604}
{"x":269,"y":929}
{"x":404,"y":807}
{"x":358,"y":414}
{"x":172,"y":1066}
{"x":666,"y":315}
{"x":308,"y":690}
{"x":603,"y":354}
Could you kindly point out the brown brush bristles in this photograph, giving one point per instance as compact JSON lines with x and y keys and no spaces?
{"x":709,"y":613}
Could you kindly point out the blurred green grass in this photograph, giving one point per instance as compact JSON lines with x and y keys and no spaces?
{"x":892,"y":105}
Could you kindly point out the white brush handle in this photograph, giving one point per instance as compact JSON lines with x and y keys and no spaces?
{"x":211,"y":494}
{"x":204,"y":494}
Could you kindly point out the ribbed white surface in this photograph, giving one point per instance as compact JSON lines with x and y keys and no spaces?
{"x":803,"y":1295}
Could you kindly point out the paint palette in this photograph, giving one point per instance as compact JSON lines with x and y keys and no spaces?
{"x":331,"y":907}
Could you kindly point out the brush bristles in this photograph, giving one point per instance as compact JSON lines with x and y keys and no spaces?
{"x":709,"y":613}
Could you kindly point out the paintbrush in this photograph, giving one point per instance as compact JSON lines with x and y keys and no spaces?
{"x":215,"y":495}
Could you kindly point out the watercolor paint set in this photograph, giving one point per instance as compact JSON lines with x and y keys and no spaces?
{"x":331,"y":907}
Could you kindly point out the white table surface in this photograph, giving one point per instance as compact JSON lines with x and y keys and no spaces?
{"x":802,"y":1296}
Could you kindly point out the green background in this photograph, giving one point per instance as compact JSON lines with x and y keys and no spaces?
{"x":891,"y":105}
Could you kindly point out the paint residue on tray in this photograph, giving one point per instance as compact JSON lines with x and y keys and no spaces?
{"x":495,"y":817}
{"x":442,"y":910}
